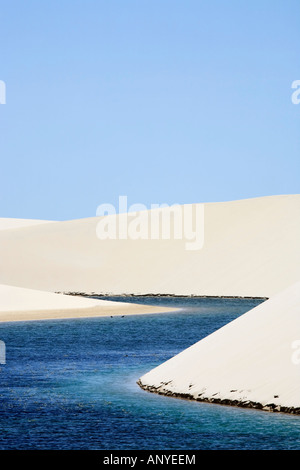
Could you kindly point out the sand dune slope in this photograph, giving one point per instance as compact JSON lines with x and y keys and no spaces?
{"x":10,"y":223}
{"x":252,"y":361}
{"x":251,"y":248}
{"x":21,"y":304}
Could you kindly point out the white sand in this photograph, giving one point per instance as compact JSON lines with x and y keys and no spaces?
{"x":251,"y":248}
{"x":21,"y":304}
{"x":255,"y":358}
{"x":10,"y":223}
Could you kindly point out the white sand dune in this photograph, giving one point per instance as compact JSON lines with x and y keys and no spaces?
{"x":10,"y":223}
{"x":251,"y":248}
{"x":252,"y":361}
{"x":21,"y":304}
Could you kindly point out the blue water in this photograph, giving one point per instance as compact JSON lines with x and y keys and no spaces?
{"x":71,"y":384}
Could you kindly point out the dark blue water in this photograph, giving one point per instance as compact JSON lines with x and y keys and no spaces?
{"x":71,"y":384}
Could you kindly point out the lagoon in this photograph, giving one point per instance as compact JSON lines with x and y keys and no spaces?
{"x":71,"y":384}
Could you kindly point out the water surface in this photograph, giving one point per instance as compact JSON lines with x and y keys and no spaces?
{"x":71,"y":384}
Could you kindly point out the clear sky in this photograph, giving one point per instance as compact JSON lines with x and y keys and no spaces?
{"x":164,"y":101}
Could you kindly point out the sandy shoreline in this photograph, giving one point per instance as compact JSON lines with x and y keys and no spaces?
{"x":21,"y":304}
{"x":253,"y":361}
{"x":163,"y":296}
{"x":17,"y":316}
{"x":270,"y":407}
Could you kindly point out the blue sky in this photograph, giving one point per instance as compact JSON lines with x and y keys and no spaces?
{"x":164,"y":101}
